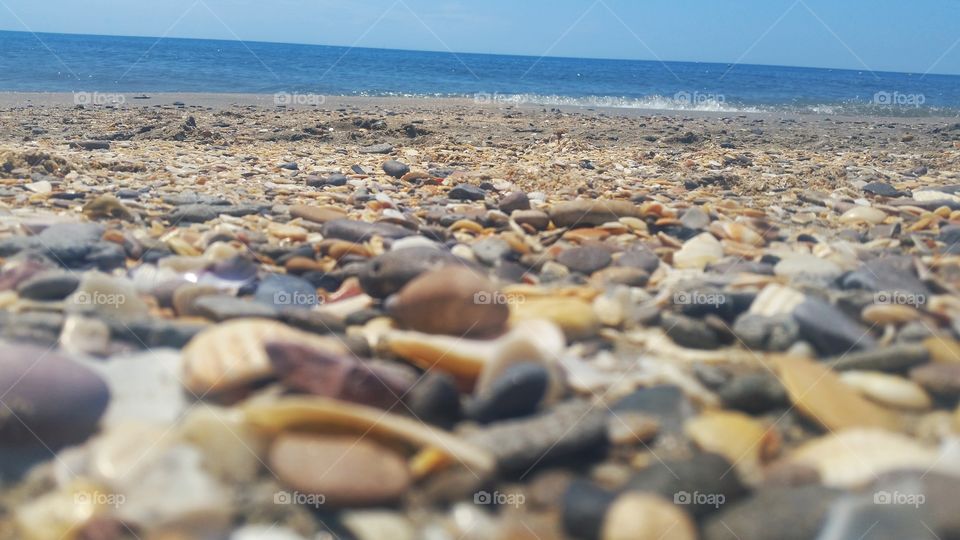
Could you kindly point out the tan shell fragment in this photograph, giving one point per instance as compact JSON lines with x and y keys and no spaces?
{"x":231,"y":355}
{"x":855,"y":457}
{"x":330,"y":416}
{"x":745,"y":442}
{"x":888,"y":390}
{"x":819,"y":393}
{"x":776,"y":300}
{"x":698,"y":252}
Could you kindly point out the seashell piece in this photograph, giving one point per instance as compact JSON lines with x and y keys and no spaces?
{"x":888,"y":390}
{"x":698,"y":252}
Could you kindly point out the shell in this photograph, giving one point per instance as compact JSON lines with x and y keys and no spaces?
{"x":745,"y":442}
{"x":698,"y":252}
{"x":888,"y":389}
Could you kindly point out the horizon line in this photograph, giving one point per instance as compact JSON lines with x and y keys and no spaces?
{"x":514,"y":55}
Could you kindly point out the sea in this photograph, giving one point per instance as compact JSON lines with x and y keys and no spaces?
{"x":98,"y":67}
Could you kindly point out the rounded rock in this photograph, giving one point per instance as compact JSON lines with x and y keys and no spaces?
{"x":395,"y":168}
{"x":640,"y":516}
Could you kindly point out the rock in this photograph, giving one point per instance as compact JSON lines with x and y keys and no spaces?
{"x":563,"y":433}
{"x":884,"y":314}
{"x":701,"y":484}
{"x":641,"y":258}
{"x":107,"y":296}
{"x":51,"y":285}
{"x":776,"y":300}
{"x":888,"y":390}
{"x":395,"y":168}
{"x":807,"y":269}
{"x":829,"y":330}
{"x":892,"y":358}
{"x":317,"y":214}
{"x":224,"y":308}
{"x":361,"y":231}
{"x":533,"y":218}
{"x":774,"y":514}
{"x":761,"y":333}
{"x":698,"y":252}
{"x":743,"y":441}
{"x":574,"y":316}
{"x":85,"y":336}
{"x":689,"y":332}
{"x":491,"y":251}
{"x":435,"y":399}
{"x":637,"y":516}
{"x":282,"y":291}
{"x":390,"y":272}
{"x":202,"y":213}
{"x":591,"y":212}
{"x":942,"y":349}
{"x":187,"y":294}
{"x":894,"y":275}
{"x":377,"y":524}
{"x":91,"y":145}
{"x":585,"y":260}
{"x":820,"y":395}
{"x":144,"y":387}
{"x":695,"y":218}
{"x":940,"y":379}
{"x":381,"y":148}
{"x":863,"y":214}
{"x":339,"y":471}
{"x":467,"y":192}
{"x":107,"y":207}
{"x":49,"y":400}
{"x":304,"y":368}
{"x":455,"y":301}
{"x":68,"y":244}
{"x":515,"y":201}
{"x":585,"y":507}
{"x":517,"y":392}
{"x":883,"y":189}
{"x":863,"y":517}
{"x":754,"y":393}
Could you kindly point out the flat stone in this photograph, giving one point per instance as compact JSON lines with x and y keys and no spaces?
{"x":50,"y":400}
{"x":388,"y":273}
{"x":892,"y":275}
{"x":585,"y":260}
{"x":829,"y":330}
{"x":807,"y":269}
{"x":517,"y":392}
{"x":361,"y":231}
{"x":574,"y":316}
{"x":53,"y":285}
{"x":774,"y":514}
{"x":491,"y":251}
{"x":695,"y":218}
{"x":107,"y":296}
{"x":537,"y":219}
{"x":382,"y":148}
{"x":395,"y":168}
{"x":513,"y":202}
{"x":883,"y":189}
{"x":467,"y":192}
{"x":144,"y":387}
{"x":281,"y":291}
{"x":689,"y":332}
{"x":636,"y":516}
{"x":891,"y":358}
{"x":698,"y":252}
{"x":641,"y":258}
{"x":224,"y":308}
{"x":343,"y":471}
{"x":940,"y":379}
{"x":317,"y":214}
{"x":678,"y":480}
{"x":754,"y":393}
{"x":761,"y":333}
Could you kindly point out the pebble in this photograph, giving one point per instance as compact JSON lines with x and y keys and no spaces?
{"x":593,"y":213}
{"x":820,"y":394}
{"x":574,"y":316}
{"x":395,"y":168}
{"x":754,"y":393}
{"x":344,"y":471}
{"x":891,"y":358}
{"x":224,"y":308}
{"x":285,"y":291}
{"x":456,"y":300}
{"x":637,"y":516}
{"x":362,"y":231}
{"x":863,"y":214}
{"x":382,"y":148}
{"x":678,"y":480}
{"x":107,"y":207}
{"x":50,"y":400}
{"x":689,"y":332}
{"x":378,"y":524}
{"x":536,"y":219}
{"x":745,"y":442}
{"x":107,"y":296}
{"x":773,"y":514}
{"x":317,"y":214}
{"x":643,"y":259}
{"x":51,"y":285}
{"x":467,"y":192}
{"x":516,"y":201}
{"x":807,"y":269}
{"x":435,"y":399}
{"x":585,"y":260}
{"x":517,"y":392}
{"x":889,"y":390}
{"x":884,"y":314}
{"x":761,"y":333}
{"x":388,"y":273}
{"x":698,"y":252}
{"x":939,"y":379}
{"x":829,"y":330}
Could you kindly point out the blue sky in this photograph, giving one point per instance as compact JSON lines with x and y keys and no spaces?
{"x":879,"y":35}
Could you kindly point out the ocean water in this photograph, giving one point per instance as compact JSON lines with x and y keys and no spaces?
{"x":306,"y":73}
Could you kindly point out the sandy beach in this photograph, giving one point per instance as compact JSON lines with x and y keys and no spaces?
{"x":437,"y":318}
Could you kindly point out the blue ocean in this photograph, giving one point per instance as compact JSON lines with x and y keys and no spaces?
{"x":84,"y":63}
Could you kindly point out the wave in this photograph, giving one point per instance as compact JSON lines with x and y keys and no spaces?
{"x":682,"y":101}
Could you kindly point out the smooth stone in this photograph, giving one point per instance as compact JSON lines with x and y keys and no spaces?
{"x":282,"y":291}
{"x":585,"y":260}
{"x":516,"y":201}
{"x":863,"y":518}
{"x":319,"y":372}
{"x":666,"y":404}
{"x":395,"y":168}
{"x":31,"y":326}
{"x":67,"y":244}
{"x":467,"y":192}
{"x":145,"y":387}
{"x":807,"y":269}
{"x":863,"y":214}
{"x":641,"y":258}
{"x":517,"y":392}
{"x":698,"y":252}
{"x":224,"y":308}
{"x":795,"y":513}
{"x":187,"y":294}
{"x":536,"y":219}
{"x":704,"y":473}
{"x":107,"y":207}
{"x":382,"y":148}
{"x":574,"y":316}
{"x":940,"y":494}
{"x":584,"y":508}
{"x":820,"y":395}
{"x":317,"y":214}
{"x":378,"y":524}
{"x":883,"y":189}
{"x":491,"y":251}
{"x":564,"y":433}
{"x":884,"y":314}
{"x":754,"y":393}
{"x":761,"y":333}
{"x":829,"y":330}
{"x":942,"y":349}
{"x":456,"y":301}
{"x":361,"y":231}
{"x":107,"y":296}
{"x":51,"y":285}
{"x":388,"y":273}
{"x":939,"y":379}
{"x":50,"y":400}
{"x":890,"y":274}
{"x":345,"y":471}
{"x":892,"y":358}
{"x":591,"y":212}
{"x":743,"y":441}
{"x":689,"y":332}
{"x":435,"y":399}
{"x":695,"y":218}
{"x":202,"y":213}
{"x":889,"y":390}
{"x":638,"y":516}
{"x":265,"y":532}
